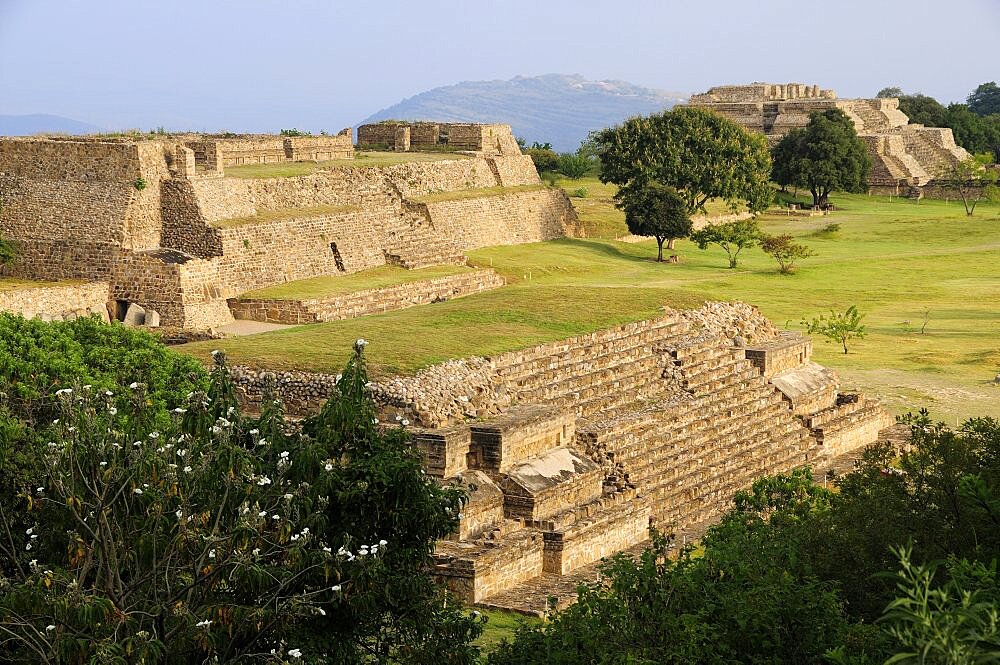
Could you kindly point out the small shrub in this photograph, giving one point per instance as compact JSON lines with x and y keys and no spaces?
{"x":139,"y":183}
{"x":579,"y":192}
{"x":828,"y":231}
{"x":839,"y":327}
{"x":574,"y":167}
{"x":294,"y":132}
{"x":549,"y":178}
{"x":785,"y":251}
{"x":9,"y":251}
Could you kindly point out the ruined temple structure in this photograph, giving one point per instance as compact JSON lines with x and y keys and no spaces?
{"x":906,"y":158}
{"x":571,"y":450}
{"x":160,"y":224}
{"x":402,"y":136}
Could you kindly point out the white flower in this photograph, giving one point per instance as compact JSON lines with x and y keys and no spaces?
{"x":275,"y":517}
{"x":64,"y":391}
{"x":264,"y":480}
{"x":49,"y":628}
{"x":262,"y":442}
{"x":87,"y":387}
{"x":104,"y":463}
{"x":108,"y":393}
{"x":254,"y":432}
{"x":211,"y":554}
{"x":187,"y":469}
{"x":262,"y":513}
{"x":328,"y":467}
{"x":216,"y":429}
{"x":30,"y":531}
{"x":137,"y":490}
{"x":327,"y":549}
{"x":321,"y":611}
{"x":338,"y":378}
{"x":133,"y":385}
{"x":256,"y":551}
{"x":203,"y":624}
{"x":288,"y":497}
{"x":284,"y":454}
{"x":179,"y":513}
{"x":335,"y":587}
{"x":154,"y":435}
{"x":182,"y":452}
{"x":383,"y":543}
{"x":361,"y":343}
{"x":180,"y":410}
{"x":28,"y":547}
{"x":215,"y":352}
{"x":113,"y":411}
{"x":405,"y":422}
{"x":294,"y":653}
{"x":40,"y":490}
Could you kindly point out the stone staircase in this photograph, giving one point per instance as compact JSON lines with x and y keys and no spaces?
{"x":647,"y":424}
{"x":421,"y":247}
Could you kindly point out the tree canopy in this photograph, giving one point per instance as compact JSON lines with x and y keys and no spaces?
{"x":658,"y":211}
{"x":697,"y":152}
{"x":985,"y":99}
{"x":824,"y":156}
{"x":733,"y":237}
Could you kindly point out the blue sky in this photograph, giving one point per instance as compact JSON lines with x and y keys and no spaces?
{"x":260,"y":65}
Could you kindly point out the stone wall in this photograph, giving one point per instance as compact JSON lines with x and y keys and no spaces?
{"x":507,"y":218}
{"x":211,"y":153}
{"x":56,"y":302}
{"x":365,"y":302}
{"x":495,"y":139}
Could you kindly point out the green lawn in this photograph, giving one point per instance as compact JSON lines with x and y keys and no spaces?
{"x":283,"y":213}
{"x":895,"y":261}
{"x":361,"y":160}
{"x":376,"y":278}
{"x":461,"y":194}
{"x":501,"y":626}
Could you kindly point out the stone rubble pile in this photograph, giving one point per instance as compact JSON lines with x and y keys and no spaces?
{"x":451,"y":391}
{"x":731,"y":320}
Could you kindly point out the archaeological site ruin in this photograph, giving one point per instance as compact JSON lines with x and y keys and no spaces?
{"x":906,"y":158}
{"x":570,"y":450}
{"x":160,"y":224}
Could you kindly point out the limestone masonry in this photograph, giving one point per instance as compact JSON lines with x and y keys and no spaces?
{"x":571,"y":450}
{"x":164,"y":226}
{"x":906,"y":157}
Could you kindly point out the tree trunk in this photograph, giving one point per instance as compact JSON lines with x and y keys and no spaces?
{"x":671,"y":243}
{"x":732,"y":262}
{"x":844,"y":342}
{"x":659,"y":249}
{"x":815,"y":194}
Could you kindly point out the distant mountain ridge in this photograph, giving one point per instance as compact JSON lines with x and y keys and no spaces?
{"x":43,"y":123}
{"x":557,"y":108}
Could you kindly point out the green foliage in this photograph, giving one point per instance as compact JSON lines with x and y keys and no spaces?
{"x":977,"y":134}
{"x":218,"y":536}
{"x":9,"y":251}
{"x":579,"y":193}
{"x":140,"y":184}
{"x":891,"y":91}
{"x":927,"y":111}
{"x":973,"y":181}
{"x":839,"y":326}
{"x":697,"y":152}
{"x":733,"y":237}
{"x":574,"y":167}
{"x":828,"y":231}
{"x":294,"y":132}
{"x":985,"y":100}
{"x":545,"y":159}
{"x":785,"y":251}
{"x":658,"y":211}
{"x":825,"y":155}
{"x":954,"y":623}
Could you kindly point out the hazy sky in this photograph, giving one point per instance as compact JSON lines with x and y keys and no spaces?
{"x":260,"y":65}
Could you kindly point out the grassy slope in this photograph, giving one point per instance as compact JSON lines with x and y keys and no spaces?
{"x":12,"y":283}
{"x":361,"y":159}
{"x":893,"y":260}
{"x":283,"y":213}
{"x":376,"y":278}
{"x":462,"y":194}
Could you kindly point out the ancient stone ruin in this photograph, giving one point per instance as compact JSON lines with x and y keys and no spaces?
{"x":906,"y":157}
{"x":571,"y":450}
{"x":162,"y":226}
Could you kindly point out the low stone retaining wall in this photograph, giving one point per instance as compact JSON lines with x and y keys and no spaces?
{"x":57,"y":302}
{"x":369,"y":301}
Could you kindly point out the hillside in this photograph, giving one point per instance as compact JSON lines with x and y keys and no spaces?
{"x":557,"y":108}
{"x":43,"y":123}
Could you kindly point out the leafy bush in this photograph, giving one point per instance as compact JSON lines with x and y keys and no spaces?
{"x":839,"y":327}
{"x":545,"y":159}
{"x":785,"y":251}
{"x":294,"y":132}
{"x":140,"y":184}
{"x":219,"y":537}
{"x":579,"y":193}
{"x":574,"y":167}
{"x":733,"y":237}
{"x":828,"y":231}
{"x":9,"y":251}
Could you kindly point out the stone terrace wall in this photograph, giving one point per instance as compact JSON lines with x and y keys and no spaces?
{"x":58,"y":301}
{"x":212,"y":152}
{"x":517,"y":217}
{"x":489,"y":139}
{"x":369,"y":301}
{"x":73,"y":204}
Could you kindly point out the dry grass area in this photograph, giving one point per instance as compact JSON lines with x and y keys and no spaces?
{"x":283,"y":213}
{"x":478,"y":193}
{"x":13,"y":284}
{"x":361,"y":160}
{"x":332,"y":285}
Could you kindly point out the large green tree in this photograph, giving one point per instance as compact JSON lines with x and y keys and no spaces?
{"x":985,"y":99}
{"x":700,"y":154}
{"x":924,"y":110}
{"x":658,"y":211}
{"x":824,"y":156}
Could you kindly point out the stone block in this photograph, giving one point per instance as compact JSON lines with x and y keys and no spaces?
{"x":135,"y":315}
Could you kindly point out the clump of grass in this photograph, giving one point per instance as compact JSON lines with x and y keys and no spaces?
{"x":828,"y":232}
